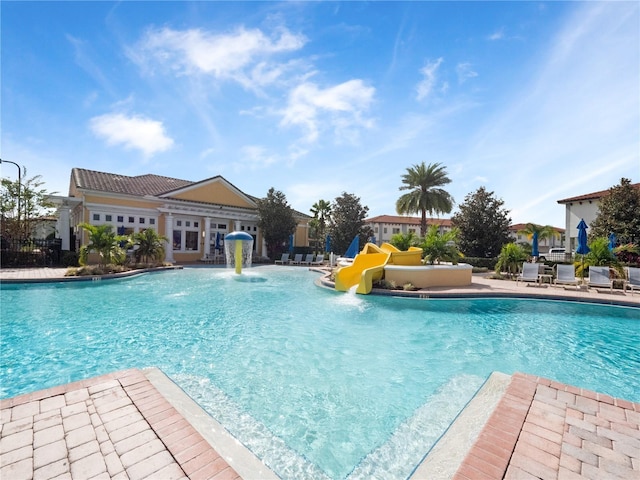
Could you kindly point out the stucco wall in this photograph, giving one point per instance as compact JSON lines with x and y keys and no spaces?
{"x":430,"y":275}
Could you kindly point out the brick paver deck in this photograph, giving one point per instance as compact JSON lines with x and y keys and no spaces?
{"x":546,"y":430}
{"x":115,"y":426}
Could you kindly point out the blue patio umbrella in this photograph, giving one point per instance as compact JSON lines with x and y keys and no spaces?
{"x":353,"y":249}
{"x":327,"y":244}
{"x":583,"y":248}
{"x":121,"y":230}
{"x":291,"y":243}
{"x":218,"y":243}
{"x":373,"y":240}
{"x":534,"y":245}
{"x":612,"y":241}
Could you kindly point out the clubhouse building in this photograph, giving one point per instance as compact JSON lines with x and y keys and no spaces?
{"x":194,"y":216}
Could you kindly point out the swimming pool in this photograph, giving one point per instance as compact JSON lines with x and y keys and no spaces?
{"x":317,"y":383}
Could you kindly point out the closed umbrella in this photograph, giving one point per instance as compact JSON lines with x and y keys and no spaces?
{"x":327,"y":244}
{"x":583,"y":248}
{"x":534,"y":245}
{"x":218,"y":244}
{"x":291,"y":243}
{"x":612,"y":241}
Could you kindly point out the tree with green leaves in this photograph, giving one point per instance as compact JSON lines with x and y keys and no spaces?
{"x":321,"y":213}
{"x":543,"y":231}
{"x":510,"y":258}
{"x":619,"y":213}
{"x":425,"y":194}
{"x":347,"y":221}
{"x":402,"y":241}
{"x":276,"y":221}
{"x":104,"y":241}
{"x":599,"y":256}
{"x":440,"y":247}
{"x":483,"y":224}
{"x":19,"y":225}
{"x":150,"y":245}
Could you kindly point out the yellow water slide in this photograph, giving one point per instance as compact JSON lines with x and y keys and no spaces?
{"x":368,"y":266}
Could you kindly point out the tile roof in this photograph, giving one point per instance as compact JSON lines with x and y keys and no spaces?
{"x":521,"y":226}
{"x":140,"y":185}
{"x":593,"y":196}
{"x":398,"y":219}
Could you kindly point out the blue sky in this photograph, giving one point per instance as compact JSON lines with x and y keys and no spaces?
{"x":536,"y":101}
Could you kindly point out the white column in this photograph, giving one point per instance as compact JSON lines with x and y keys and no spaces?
{"x":63,"y":226}
{"x":567,"y":228}
{"x":236,"y":225}
{"x":207,"y":238}
{"x":168,"y":232}
{"x":264,"y":252}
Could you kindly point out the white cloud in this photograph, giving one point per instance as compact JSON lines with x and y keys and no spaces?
{"x":136,"y":132}
{"x":429,"y":72}
{"x":579,"y":114}
{"x":239,"y":55}
{"x":465,"y":72}
{"x":255,"y":157}
{"x":497,"y":35}
{"x":342,"y":107}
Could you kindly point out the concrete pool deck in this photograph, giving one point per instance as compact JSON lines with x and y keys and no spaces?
{"x":138,"y":424}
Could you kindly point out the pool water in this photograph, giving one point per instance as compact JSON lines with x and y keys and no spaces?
{"x":315,"y":382}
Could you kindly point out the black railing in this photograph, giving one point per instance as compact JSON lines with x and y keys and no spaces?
{"x":31,"y":253}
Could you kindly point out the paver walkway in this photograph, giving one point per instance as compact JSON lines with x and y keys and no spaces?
{"x":542,"y":429}
{"x":115,"y":426}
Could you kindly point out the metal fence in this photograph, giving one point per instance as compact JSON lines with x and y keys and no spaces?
{"x":31,"y":253}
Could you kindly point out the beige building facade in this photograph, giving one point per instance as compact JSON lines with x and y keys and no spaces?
{"x":582,"y":207}
{"x":385,"y":226}
{"x":192,"y":215}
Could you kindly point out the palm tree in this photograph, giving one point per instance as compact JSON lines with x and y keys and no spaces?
{"x":402,"y":241}
{"x":104,"y":241}
{"x":599,"y":256}
{"x":440,"y":247}
{"x":425,"y":195}
{"x":510,"y":258}
{"x":150,"y":245}
{"x":546,"y":231}
{"x":321,"y":211}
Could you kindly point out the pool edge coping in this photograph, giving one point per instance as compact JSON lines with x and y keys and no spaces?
{"x":237,"y":455}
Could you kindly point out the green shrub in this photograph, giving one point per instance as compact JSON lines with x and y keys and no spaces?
{"x":480,"y":262}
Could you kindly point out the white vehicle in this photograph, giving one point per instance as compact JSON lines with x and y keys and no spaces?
{"x":554,"y":255}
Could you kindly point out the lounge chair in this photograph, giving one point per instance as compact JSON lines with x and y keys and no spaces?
{"x":319,"y":259}
{"x":297,"y":260}
{"x":599,"y":277}
{"x":307,"y":259}
{"x":633,"y":279}
{"x":284,"y":259}
{"x":566,"y":274}
{"x":529,"y":273}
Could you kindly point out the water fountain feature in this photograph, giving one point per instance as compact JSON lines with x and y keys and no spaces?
{"x":238,"y":247}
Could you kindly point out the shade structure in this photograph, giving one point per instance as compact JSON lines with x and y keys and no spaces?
{"x":353,"y":249}
{"x":534,"y":245}
{"x":612,"y":241}
{"x":582,"y":248}
{"x":291,"y":243}
{"x":327,"y":244}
